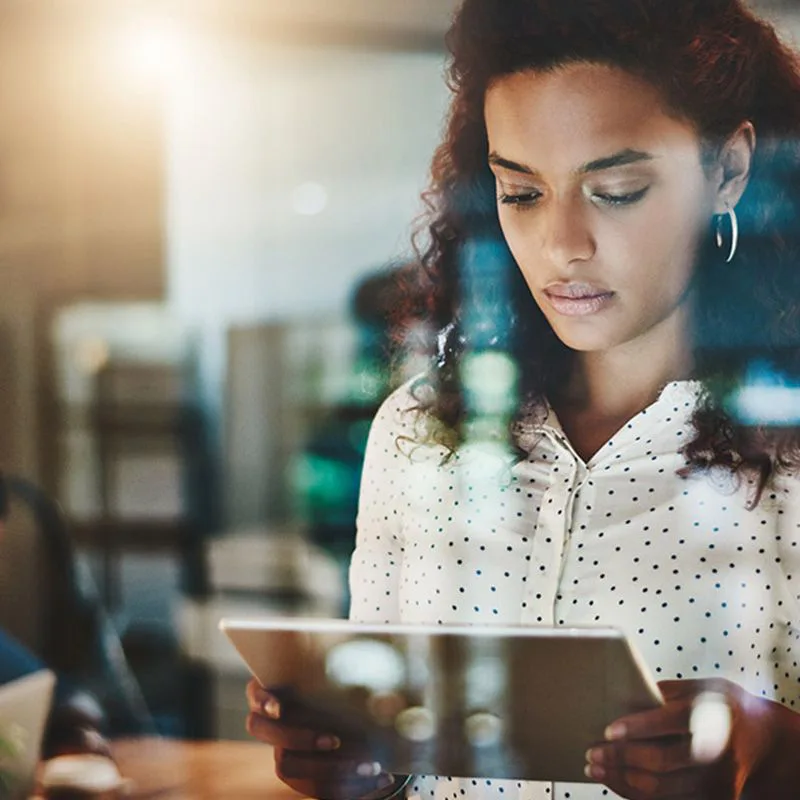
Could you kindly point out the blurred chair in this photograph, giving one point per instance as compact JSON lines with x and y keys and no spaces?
{"x":49,"y":604}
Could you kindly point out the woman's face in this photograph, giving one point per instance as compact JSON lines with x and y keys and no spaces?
{"x":602,"y":199}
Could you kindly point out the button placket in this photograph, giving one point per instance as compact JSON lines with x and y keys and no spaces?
{"x":551,"y":538}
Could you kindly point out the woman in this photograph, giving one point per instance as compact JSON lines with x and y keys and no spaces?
{"x":638,"y":160}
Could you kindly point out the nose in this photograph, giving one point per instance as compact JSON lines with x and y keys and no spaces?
{"x":566,"y":234}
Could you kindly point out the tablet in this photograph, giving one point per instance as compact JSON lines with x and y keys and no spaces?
{"x":520,"y":703}
{"x":24,"y":708}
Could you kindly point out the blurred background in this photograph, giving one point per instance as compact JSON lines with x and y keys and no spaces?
{"x":204,"y":208}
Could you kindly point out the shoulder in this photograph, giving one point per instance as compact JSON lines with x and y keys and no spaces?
{"x":784,"y":489}
{"x":404,"y":427}
{"x":404,"y":412}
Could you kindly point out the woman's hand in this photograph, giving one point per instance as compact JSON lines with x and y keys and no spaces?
{"x":75,"y":727}
{"x":745,"y":747}
{"x":316,"y":762}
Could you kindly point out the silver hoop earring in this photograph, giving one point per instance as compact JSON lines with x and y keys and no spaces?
{"x":734,"y":234}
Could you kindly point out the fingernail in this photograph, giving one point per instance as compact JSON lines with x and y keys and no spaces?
{"x":594,"y":772}
{"x":615,"y":731}
{"x":328,"y":742}
{"x":369,"y":769}
{"x":594,"y":755}
{"x":272,"y":708}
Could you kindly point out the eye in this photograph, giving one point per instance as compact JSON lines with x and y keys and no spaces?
{"x":519,"y":200}
{"x":628,"y":199}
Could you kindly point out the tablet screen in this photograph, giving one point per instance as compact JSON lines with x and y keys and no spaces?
{"x":518,"y":703}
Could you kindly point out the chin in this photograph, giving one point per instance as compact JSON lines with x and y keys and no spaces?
{"x":585,"y":341}
{"x":584,"y":347}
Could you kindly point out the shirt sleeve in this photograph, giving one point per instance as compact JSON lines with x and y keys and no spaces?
{"x":377,"y":561}
{"x":15,"y":661}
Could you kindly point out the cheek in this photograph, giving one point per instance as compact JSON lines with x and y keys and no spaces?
{"x":655,"y":247}
{"x":521,"y":241}
{"x":670,"y":238}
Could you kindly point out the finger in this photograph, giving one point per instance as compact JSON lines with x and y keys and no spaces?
{"x":260,"y":700}
{"x":290,"y":710}
{"x":658,"y":756}
{"x":328,"y":776}
{"x":279,"y":735}
{"x":672,"y":719}
{"x":642,"y":785}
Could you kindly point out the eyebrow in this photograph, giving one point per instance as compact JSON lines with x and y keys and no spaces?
{"x":620,"y":159}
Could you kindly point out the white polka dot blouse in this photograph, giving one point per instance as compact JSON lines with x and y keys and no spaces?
{"x":703,"y":586}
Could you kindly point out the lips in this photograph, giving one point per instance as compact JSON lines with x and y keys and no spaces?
{"x":578,"y":299}
{"x":575,"y":291}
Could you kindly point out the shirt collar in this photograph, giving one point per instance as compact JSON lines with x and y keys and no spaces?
{"x":674,"y":404}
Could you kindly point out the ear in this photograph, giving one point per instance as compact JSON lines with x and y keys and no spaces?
{"x":734,"y":162}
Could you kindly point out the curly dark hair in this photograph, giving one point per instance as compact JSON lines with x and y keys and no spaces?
{"x":717,"y":65}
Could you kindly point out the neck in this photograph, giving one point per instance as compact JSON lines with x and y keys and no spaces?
{"x":620,"y":382}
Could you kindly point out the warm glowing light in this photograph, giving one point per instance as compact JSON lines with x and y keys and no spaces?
{"x":151,"y":48}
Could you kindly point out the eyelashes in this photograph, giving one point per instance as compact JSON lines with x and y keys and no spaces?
{"x":627,"y":199}
{"x":527,"y":199}
{"x":530,"y":199}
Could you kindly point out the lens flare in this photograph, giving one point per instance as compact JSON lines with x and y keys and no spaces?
{"x":710,"y":726}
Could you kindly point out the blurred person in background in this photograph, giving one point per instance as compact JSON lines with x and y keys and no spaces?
{"x":76,"y":718}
